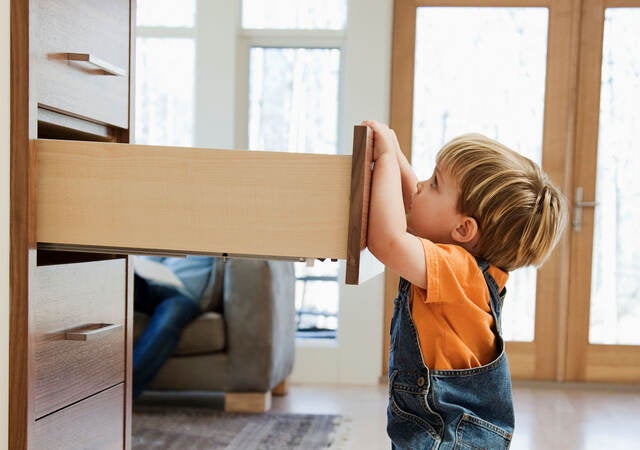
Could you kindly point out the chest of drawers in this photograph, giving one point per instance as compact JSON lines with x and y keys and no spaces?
{"x":71,"y":322}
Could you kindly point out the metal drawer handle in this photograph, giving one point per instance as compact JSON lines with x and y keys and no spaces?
{"x":90,"y":331}
{"x":99,"y":63}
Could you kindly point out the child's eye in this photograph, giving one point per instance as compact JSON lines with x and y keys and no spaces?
{"x":434,"y":182}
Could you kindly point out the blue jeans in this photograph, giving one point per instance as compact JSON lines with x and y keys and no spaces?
{"x":170,"y":312}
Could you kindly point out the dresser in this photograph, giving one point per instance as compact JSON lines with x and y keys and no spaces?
{"x":71,"y":312}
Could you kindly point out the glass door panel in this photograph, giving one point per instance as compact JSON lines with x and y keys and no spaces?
{"x":483,"y":70}
{"x":615,"y":271}
{"x":604,"y":303}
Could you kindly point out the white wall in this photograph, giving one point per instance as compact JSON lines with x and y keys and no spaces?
{"x":4,"y":222}
{"x":216,"y":26}
{"x":356,"y":357}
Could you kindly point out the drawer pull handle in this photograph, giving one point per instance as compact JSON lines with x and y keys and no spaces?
{"x":99,"y":63}
{"x":91,"y":331}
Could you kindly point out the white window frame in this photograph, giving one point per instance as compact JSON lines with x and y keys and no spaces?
{"x":355,"y":357}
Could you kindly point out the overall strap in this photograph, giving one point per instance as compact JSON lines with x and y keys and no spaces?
{"x":494,"y":292}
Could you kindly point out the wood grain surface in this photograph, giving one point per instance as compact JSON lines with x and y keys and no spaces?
{"x":192,"y":200}
{"x":361,"y":160}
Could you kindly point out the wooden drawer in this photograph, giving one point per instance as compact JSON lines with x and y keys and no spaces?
{"x":83,"y":27}
{"x":65,"y":297}
{"x":267,"y":204}
{"x":94,"y":423}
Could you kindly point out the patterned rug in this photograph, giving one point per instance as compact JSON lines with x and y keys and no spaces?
{"x":171,"y":428}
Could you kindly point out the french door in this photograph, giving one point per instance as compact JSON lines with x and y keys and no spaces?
{"x":511,"y":70}
{"x":604,"y":289}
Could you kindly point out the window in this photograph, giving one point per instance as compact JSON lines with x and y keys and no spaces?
{"x":165,"y":72}
{"x":293,"y":52}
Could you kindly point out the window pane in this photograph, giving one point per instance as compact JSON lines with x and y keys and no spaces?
{"x":293,"y":106}
{"x":293,"y":99}
{"x":483,"y":70}
{"x":615,"y":279}
{"x":166,"y":13}
{"x":317,"y":294}
{"x":164,"y":91}
{"x":294,"y":14}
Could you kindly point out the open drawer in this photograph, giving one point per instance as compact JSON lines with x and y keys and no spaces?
{"x":148,"y":199}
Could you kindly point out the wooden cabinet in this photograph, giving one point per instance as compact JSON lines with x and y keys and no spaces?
{"x":71,"y":312}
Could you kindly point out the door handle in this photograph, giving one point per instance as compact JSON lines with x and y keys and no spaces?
{"x":577,"y":208}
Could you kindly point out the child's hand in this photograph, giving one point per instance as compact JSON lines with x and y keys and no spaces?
{"x":384,"y":139}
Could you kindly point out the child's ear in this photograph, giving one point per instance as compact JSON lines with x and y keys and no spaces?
{"x":465,"y":231}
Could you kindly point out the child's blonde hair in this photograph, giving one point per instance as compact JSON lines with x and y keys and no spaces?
{"x":520,"y":213}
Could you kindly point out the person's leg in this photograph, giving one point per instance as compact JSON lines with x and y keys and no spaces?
{"x":158,"y":341}
{"x":144,"y":299}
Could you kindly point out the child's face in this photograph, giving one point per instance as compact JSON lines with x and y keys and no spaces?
{"x":433,"y":212}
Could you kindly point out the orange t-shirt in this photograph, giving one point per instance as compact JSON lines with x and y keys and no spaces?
{"x":453,"y":315}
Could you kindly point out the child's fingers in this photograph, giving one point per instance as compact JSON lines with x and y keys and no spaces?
{"x":376,"y":126}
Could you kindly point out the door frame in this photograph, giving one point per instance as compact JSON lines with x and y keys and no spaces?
{"x":542,"y":359}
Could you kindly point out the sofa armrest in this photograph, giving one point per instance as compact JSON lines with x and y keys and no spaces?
{"x":259,"y":311}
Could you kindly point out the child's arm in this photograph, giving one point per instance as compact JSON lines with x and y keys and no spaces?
{"x":408,"y":176}
{"x":387,"y":236}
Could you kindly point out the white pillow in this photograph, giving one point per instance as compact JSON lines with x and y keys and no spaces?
{"x":155,"y":271}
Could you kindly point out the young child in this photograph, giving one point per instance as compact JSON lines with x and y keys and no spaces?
{"x":453,"y":238}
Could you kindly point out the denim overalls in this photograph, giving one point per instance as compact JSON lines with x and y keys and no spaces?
{"x":446,"y":409}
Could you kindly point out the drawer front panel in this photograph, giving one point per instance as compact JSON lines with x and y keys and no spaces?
{"x":94,"y":423}
{"x":68,"y":34}
{"x":71,"y":303}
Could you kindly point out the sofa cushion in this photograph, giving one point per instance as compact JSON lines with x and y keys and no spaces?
{"x":206,"y":334}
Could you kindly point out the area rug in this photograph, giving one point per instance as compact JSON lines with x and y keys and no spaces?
{"x":155,"y":427}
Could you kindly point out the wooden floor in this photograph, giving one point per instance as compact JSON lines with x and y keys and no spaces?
{"x":548,"y":416}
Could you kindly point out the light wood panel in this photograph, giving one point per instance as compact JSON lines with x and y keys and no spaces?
{"x":192,"y":200}
{"x":558,"y":147}
{"x":585,"y":172}
{"x":247,"y":402}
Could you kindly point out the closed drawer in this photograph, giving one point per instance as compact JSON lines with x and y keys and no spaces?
{"x":94,"y":423}
{"x":90,"y":296}
{"x":99,"y":30}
